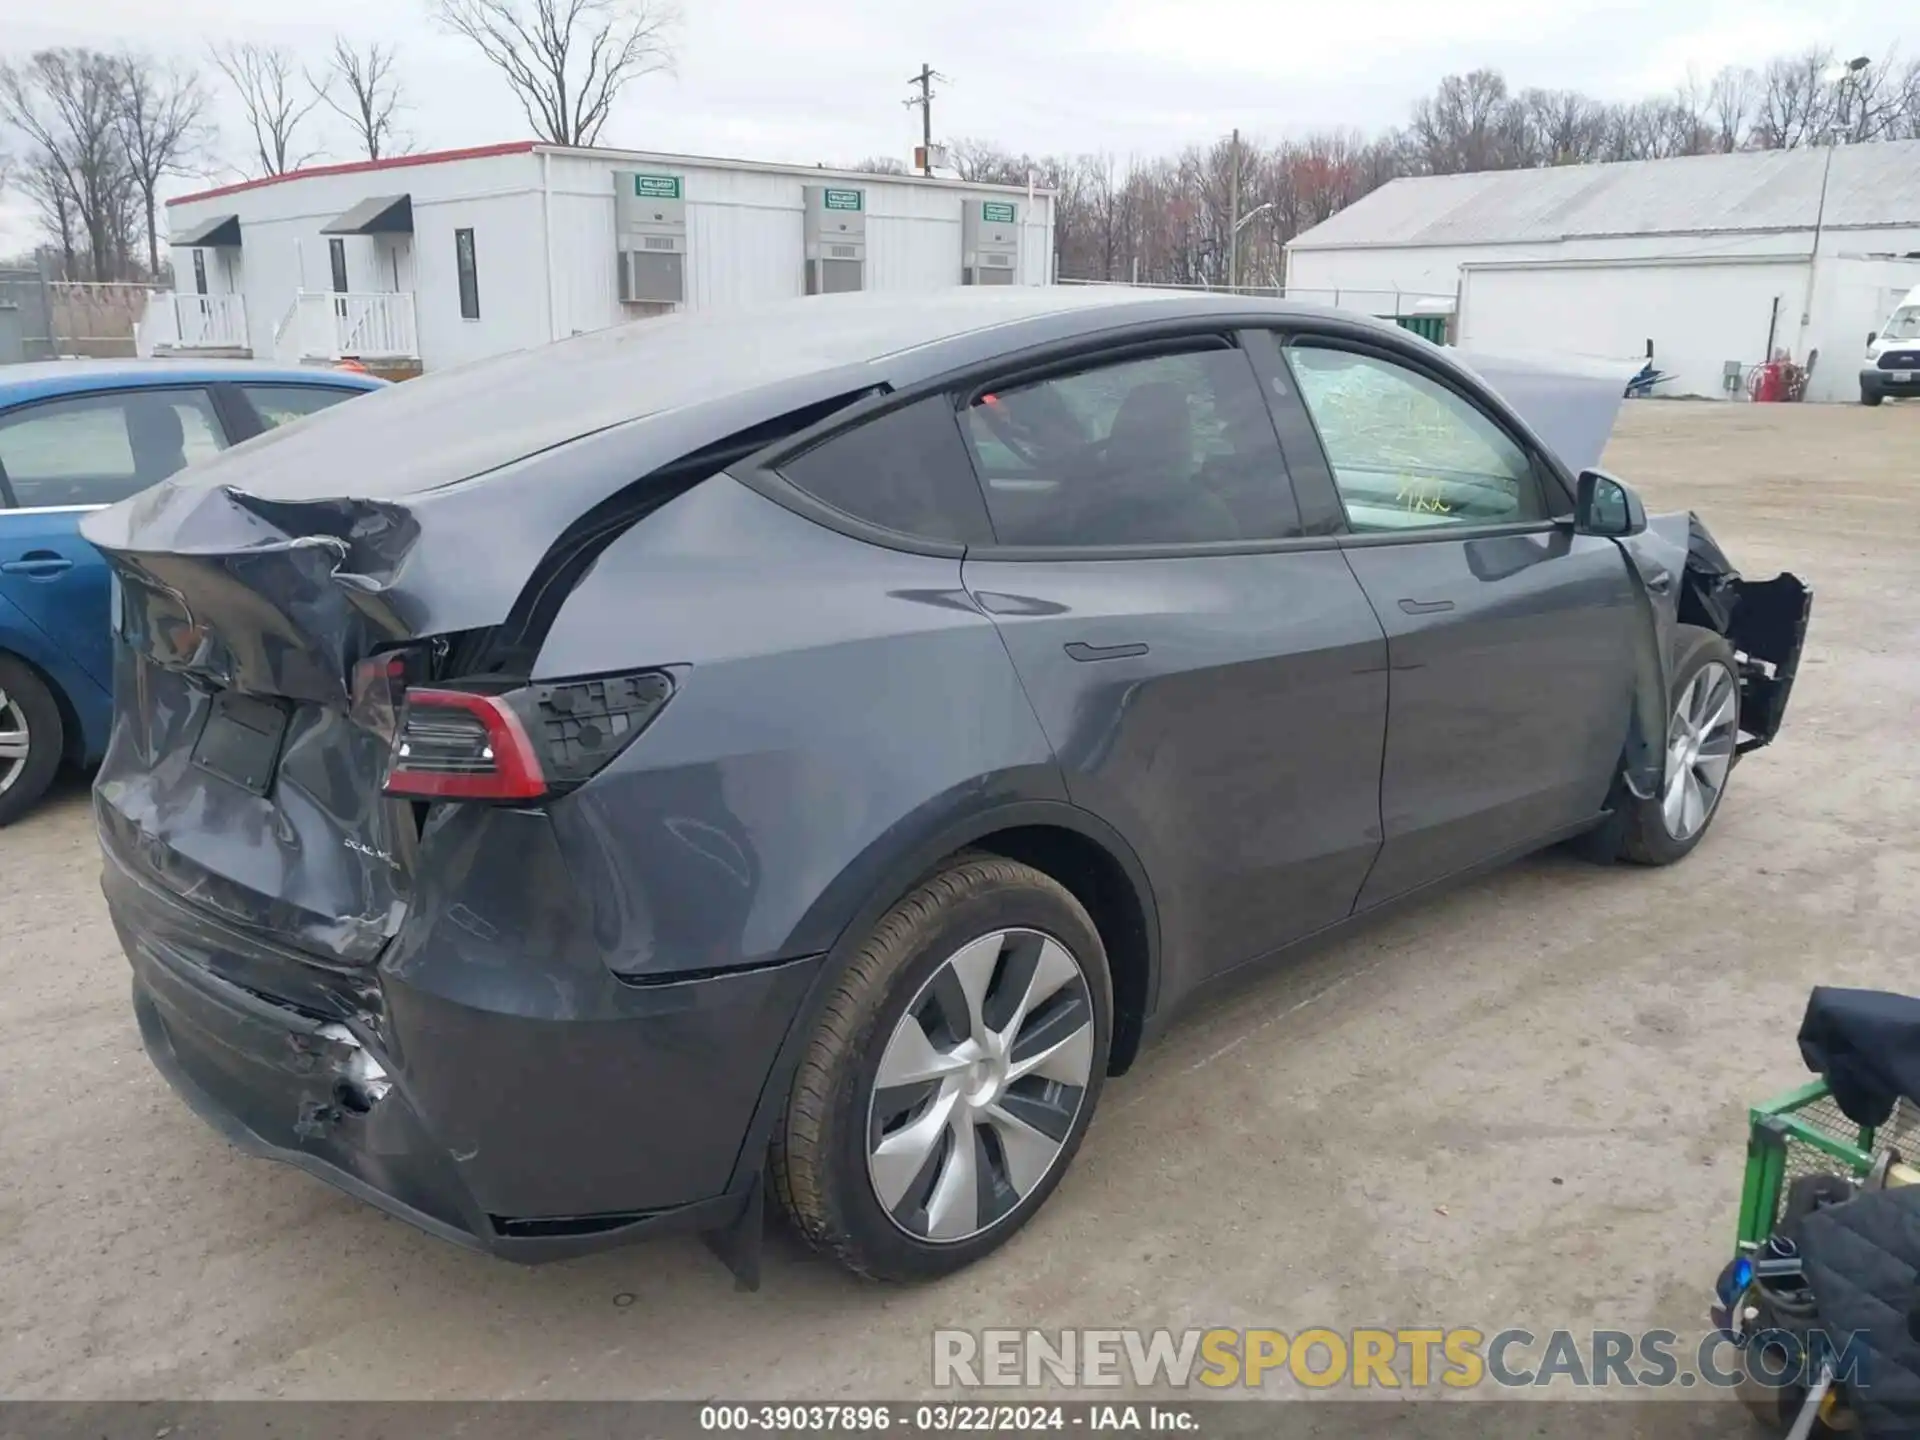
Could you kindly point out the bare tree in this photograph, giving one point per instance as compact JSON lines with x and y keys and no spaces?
{"x":1870,"y":103}
{"x":878,"y":165}
{"x":271,"y":99}
{"x":1730,"y":99}
{"x":981,"y":162}
{"x":45,"y":181}
{"x":1461,"y":126}
{"x":65,"y":103}
{"x":567,"y":60}
{"x":163,"y":131}
{"x":1566,"y":128}
{"x":1794,"y":106}
{"x":370,"y":98}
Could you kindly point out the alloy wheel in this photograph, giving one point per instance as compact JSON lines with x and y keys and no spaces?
{"x":15,"y":741}
{"x":1700,"y":746}
{"x":980,"y":1085}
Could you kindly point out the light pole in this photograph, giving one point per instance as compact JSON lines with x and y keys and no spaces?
{"x":1838,"y":76}
{"x":1233,"y":243}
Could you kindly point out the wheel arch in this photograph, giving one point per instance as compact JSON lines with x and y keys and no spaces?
{"x":1077,"y":848}
{"x":1084,"y":853}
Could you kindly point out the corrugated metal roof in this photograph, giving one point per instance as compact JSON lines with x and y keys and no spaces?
{"x":1750,"y":190}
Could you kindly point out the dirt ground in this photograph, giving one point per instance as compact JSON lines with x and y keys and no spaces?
{"x":1521,"y":1105}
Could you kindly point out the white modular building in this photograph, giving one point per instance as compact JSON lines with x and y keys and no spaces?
{"x":424,"y":261}
{"x":1712,"y":264}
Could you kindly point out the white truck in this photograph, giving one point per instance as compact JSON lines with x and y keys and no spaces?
{"x":1892,"y":364}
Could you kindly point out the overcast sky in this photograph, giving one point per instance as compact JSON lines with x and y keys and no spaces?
{"x":822,"y":80}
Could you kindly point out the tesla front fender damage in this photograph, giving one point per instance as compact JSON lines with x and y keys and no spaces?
{"x":1685,"y":578}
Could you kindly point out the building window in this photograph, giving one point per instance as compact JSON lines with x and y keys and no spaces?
{"x":469,"y":275}
{"x":337,"y":253}
{"x":199,"y":272}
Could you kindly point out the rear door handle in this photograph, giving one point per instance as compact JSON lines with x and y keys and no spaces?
{"x":37,"y":565}
{"x":1425,"y":607}
{"x":1080,"y":650}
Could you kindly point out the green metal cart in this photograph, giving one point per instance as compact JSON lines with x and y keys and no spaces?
{"x":1803,"y":1133}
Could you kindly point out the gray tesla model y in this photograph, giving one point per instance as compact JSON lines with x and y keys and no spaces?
{"x":801,"y":754}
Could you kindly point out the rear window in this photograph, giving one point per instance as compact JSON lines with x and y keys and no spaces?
{"x":278,"y":405}
{"x":905,"y":471}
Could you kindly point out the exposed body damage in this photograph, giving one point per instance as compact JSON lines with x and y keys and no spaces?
{"x":541,"y":1020}
{"x":1685,"y":578}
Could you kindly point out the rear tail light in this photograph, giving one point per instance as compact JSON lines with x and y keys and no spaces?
{"x":454,"y":744}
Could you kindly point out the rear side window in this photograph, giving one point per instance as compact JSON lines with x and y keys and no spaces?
{"x":278,"y":405}
{"x":1161,"y":450}
{"x":98,"y":449}
{"x":906,"y":471}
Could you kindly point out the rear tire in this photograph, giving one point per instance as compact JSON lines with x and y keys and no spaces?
{"x":1703,"y":731}
{"x":953,"y":1073}
{"x":29,"y":721}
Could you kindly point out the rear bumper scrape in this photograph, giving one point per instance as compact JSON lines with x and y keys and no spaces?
{"x":472,"y":1115}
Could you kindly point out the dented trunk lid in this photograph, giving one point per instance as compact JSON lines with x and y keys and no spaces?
{"x":262,"y":598}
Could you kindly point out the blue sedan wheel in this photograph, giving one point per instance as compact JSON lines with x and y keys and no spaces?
{"x":31,"y":739}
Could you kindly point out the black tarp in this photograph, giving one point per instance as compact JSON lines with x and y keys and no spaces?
{"x":1867,"y":1044}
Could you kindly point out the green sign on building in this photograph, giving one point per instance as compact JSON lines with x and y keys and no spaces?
{"x":997,"y":212}
{"x":657,"y":187}
{"x":843,"y":200}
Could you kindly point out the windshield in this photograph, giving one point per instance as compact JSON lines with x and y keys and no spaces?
{"x":1903,"y":324}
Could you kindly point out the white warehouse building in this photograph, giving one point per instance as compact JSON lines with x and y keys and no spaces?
{"x":430,"y":260}
{"x":1718,"y":262}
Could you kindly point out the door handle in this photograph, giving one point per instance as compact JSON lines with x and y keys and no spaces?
{"x":37,"y":565}
{"x":1660,"y":582}
{"x":1080,"y":650}
{"x":1425,"y":607}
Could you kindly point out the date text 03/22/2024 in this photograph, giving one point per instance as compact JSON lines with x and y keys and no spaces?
{"x":947,"y":1418}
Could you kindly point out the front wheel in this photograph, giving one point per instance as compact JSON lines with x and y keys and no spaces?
{"x":1703,"y":733}
{"x":954,"y":1071}
{"x":1871,"y":397}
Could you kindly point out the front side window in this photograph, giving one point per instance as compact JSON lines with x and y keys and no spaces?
{"x":1162,"y":450}
{"x":905,"y":471}
{"x":469,"y":274}
{"x":277,"y":405}
{"x":98,"y":449}
{"x":1408,"y":453}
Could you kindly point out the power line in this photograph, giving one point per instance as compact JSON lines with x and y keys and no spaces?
{"x":924,"y":100}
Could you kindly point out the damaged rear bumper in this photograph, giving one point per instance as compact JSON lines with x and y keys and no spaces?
{"x":562,"y":1137}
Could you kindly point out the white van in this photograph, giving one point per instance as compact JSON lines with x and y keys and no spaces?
{"x":1892,"y":366}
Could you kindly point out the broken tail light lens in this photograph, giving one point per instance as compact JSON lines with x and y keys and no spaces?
{"x":454,"y":744}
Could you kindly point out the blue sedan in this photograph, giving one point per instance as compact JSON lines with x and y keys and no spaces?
{"x":76,"y":436}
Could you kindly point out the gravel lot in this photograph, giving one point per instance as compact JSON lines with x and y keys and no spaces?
{"x":1523,"y":1104}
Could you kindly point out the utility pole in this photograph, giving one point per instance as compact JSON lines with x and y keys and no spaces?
{"x":1233,"y":218}
{"x":924,"y":100}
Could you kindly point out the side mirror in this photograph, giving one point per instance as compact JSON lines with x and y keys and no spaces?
{"x":1605,"y":506}
{"x":1872,"y":335}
